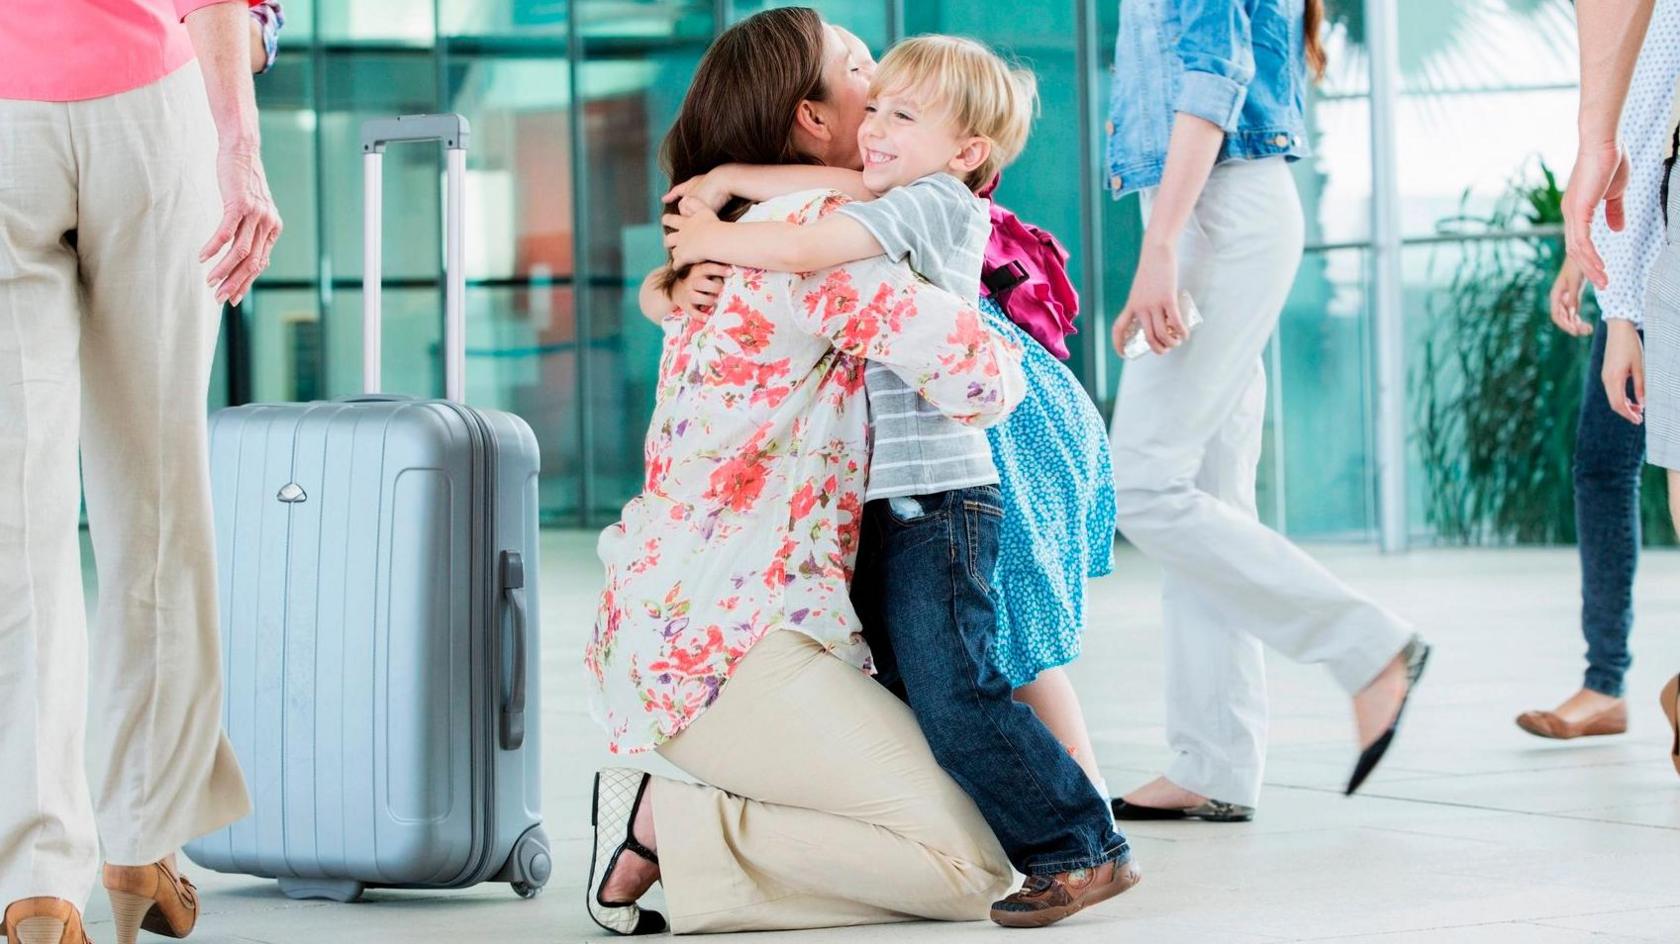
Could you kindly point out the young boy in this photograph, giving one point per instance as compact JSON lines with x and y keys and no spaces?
{"x":945,"y":115}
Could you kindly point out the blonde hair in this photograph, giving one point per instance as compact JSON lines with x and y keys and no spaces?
{"x":970,"y":85}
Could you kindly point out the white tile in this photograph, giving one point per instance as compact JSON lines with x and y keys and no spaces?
{"x":1542,"y":790}
{"x":1647,"y":924}
{"x":1503,"y":933}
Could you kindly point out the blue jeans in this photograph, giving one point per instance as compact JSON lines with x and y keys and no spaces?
{"x":923,"y":591}
{"x":1609,"y":455}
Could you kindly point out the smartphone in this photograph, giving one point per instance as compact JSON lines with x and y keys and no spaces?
{"x":1137,"y":344}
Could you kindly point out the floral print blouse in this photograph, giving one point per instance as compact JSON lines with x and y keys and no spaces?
{"x":756,"y":461}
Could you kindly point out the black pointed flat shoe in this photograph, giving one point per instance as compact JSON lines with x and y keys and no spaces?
{"x":1416,"y":654}
{"x":618,"y":794}
{"x":1209,"y":811}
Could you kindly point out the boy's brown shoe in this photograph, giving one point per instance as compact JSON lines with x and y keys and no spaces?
{"x":1046,"y":899}
{"x":154,"y":897}
{"x":44,"y":921}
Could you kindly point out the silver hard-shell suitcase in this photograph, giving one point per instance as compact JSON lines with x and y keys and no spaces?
{"x":380,"y":642}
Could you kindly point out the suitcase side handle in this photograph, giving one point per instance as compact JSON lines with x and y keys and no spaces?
{"x":513,"y":700}
{"x":452,"y":130}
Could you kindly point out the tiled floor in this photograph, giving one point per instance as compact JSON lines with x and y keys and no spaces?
{"x":1471,"y":832}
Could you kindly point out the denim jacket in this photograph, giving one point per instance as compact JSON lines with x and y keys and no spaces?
{"x":1237,"y":63}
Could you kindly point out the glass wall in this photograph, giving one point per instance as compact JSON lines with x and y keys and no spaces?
{"x":569,"y":100}
{"x":1486,"y":109}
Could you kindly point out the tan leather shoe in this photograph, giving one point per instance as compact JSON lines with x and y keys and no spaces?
{"x":1612,"y":720}
{"x":1046,"y":899}
{"x":44,"y":921}
{"x":154,"y":897}
{"x":1671,"y":708}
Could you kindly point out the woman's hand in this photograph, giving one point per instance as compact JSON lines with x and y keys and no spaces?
{"x":706,"y":192}
{"x":1600,"y":176}
{"x":1624,"y":362}
{"x":250,"y":223}
{"x":698,"y":291}
{"x":1153,"y":301}
{"x":1566,"y":299}
{"x":249,"y":228}
{"x":686,"y":236}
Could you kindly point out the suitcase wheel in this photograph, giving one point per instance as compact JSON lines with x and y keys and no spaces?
{"x":529,"y":866}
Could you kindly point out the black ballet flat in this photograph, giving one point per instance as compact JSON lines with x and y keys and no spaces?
{"x":1417,"y":657}
{"x":1210,"y":811}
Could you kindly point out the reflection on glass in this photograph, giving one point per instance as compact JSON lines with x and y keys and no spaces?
{"x":288,"y":139}
{"x":376,"y":21}
{"x":866,"y":18}
{"x":1487,"y":86}
{"x":1476,"y":143}
{"x":522,"y":356}
{"x":283,"y":330}
{"x":300,"y":22}
{"x":519,"y":169}
{"x":522,"y":18}
{"x":1335,"y":180}
{"x":218,"y":397}
{"x":623,"y":23}
{"x":366,"y":85}
{"x":1122,"y":234}
{"x":1320,"y":380}
{"x":629,"y":102}
{"x":1347,"y":69}
{"x":411,"y":338}
{"x":1465,"y":45}
{"x":286,"y":110}
{"x":1428,"y":271}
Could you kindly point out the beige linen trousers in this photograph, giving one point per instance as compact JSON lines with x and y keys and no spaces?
{"x":107,"y":331}
{"x":821,"y":805}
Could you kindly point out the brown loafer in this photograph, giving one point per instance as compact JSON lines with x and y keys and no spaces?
{"x":1671,"y":708}
{"x":1046,"y":899}
{"x":44,"y":921}
{"x":1612,"y":720}
{"x":154,"y":897}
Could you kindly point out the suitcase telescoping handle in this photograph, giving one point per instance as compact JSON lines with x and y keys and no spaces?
{"x":452,"y":131}
{"x":513,"y":699}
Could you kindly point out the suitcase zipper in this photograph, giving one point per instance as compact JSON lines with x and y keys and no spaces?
{"x":484,"y":758}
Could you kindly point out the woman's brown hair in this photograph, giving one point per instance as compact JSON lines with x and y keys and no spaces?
{"x":1313,"y":28}
{"x":741,"y":106}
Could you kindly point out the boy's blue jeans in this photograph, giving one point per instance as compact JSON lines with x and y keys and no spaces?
{"x":1609,"y":455}
{"x":923,"y":591}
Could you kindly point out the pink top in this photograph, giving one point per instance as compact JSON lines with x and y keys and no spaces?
{"x":70,"y":50}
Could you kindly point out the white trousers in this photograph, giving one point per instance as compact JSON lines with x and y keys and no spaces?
{"x":1187,"y":436}
{"x":107,"y":331}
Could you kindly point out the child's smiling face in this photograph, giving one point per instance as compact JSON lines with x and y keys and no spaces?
{"x":904,"y":138}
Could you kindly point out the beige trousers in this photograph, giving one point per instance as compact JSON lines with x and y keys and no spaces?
{"x":825,"y":807}
{"x":107,"y":331}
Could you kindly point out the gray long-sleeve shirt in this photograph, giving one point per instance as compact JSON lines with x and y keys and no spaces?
{"x":940,"y":228}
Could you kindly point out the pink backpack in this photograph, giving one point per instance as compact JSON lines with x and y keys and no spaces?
{"x":1026,"y":274}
